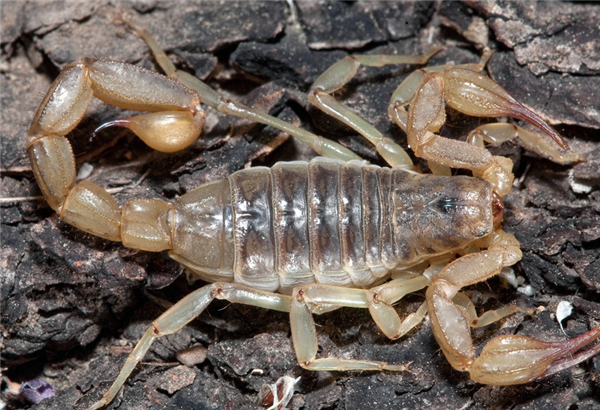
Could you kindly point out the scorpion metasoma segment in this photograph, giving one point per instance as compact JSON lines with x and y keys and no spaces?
{"x":308,"y":238}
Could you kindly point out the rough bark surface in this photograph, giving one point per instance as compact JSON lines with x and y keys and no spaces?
{"x":73,"y":306}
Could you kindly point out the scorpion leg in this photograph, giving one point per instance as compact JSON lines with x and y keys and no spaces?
{"x":487,"y":318}
{"x":210,"y":97}
{"x":182,"y":313}
{"x":320,"y":95}
{"x":303,"y":328}
{"x":499,"y":132}
{"x":505,"y":360}
{"x":309,"y":299}
{"x":382,"y":298}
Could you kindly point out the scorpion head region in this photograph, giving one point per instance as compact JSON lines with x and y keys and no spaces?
{"x":458,"y":210}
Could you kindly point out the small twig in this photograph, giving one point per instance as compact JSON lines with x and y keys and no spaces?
{"x":129,"y":186}
{"x":18,"y":199}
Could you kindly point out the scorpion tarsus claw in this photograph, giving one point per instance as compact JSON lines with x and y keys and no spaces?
{"x":398,"y":367}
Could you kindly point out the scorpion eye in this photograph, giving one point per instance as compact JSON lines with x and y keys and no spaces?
{"x":447,"y":205}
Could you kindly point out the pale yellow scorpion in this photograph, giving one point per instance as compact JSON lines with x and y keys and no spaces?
{"x":311,"y":237}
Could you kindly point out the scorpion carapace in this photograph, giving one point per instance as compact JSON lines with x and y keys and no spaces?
{"x":308,"y":238}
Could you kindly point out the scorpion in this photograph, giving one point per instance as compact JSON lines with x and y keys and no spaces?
{"x":311,"y":237}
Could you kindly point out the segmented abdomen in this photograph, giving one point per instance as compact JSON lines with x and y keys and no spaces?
{"x":275,"y":228}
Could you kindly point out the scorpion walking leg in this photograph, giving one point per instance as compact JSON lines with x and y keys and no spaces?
{"x":299,"y":305}
{"x":487,"y":318}
{"x":210,"y":97}
{"x":320,"y":95}
{"x":341,"y":72}
{"x":382,"y":298}
{"x":183,"y":312}
{"x":505,"y":360}
{"x":311,"y":299}
{"x":497,"y":133}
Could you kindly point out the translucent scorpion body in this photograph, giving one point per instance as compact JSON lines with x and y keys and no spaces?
{"x":308,"y":238}
{"x":327,"y":221}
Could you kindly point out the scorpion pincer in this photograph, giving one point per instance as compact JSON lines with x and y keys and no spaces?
{"x":311,"y":237}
